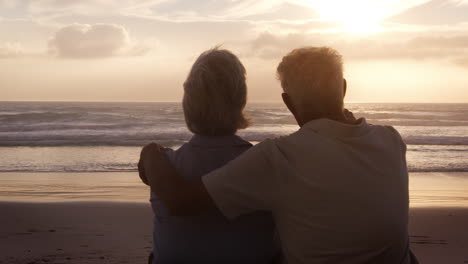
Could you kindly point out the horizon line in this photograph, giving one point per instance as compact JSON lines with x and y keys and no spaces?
{"x":256,"y":101}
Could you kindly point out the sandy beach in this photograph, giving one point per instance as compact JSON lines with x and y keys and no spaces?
{"x":113,"y":232}
{"x":439,"y":235}
{"x":105,"y":218}
{"x":75,"y":233}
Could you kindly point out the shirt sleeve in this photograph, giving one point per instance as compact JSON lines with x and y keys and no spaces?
{"x":245,"y":184}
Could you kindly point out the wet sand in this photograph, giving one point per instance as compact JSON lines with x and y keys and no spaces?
{"x":112,"y":232}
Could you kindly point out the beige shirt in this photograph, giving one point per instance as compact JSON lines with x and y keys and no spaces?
{"x":338,"y":192}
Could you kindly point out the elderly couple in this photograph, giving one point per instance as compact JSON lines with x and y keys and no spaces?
{"x":335,"y":191}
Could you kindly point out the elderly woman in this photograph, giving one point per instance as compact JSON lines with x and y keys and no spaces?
{"x":215,"y":95}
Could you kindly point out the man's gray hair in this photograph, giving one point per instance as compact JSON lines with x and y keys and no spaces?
{"x":313,"y":77}
{"x":215,"y":94}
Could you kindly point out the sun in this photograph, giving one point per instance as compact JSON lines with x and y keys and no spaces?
{"x":358,"y":16}
{"x":354,"y":16}
{"x":360,"y":26}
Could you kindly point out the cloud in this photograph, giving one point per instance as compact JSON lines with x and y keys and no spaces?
{"x":451,"y":48}
{"x":186,"y":11}
{"x":271,"y":46}
{"x":462,"y":61}
{"x":434,"y":12}
{"x":266,"y":10}
{"x":220,"y":10}
{"x":215,"y":10}
{"x":79,"y":7}
{"x":8,"y":3}
{"x":94,"y":41}
{"x":10,"y":50}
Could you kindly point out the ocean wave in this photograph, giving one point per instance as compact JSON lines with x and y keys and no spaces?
{"x":438,"y":170}
{"x":90,"y":142}
{"x":135,"y":124}
{"x":135,"y":170}
{"x":39,"y":116}
{"x":436,"y":140}
{"x":414,"y":115}
{"x":171,"y":140}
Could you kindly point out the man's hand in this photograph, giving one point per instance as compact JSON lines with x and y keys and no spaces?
{"x":349,"y":116}
{"x":149,"y":150}
{"x":141,"y":172}
{"x":155,"y":167}
{"x":145,"y":152}
{"x":181,"y":197}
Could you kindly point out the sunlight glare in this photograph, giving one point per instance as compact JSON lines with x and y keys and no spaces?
{"x":358,"y":16}
{"x":361,"y":16}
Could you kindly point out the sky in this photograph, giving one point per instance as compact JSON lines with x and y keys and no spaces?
{"x":142,"y":50}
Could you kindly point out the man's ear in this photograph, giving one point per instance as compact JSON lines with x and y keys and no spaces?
{"x":288,"y":102}
{"x":345,"y":85}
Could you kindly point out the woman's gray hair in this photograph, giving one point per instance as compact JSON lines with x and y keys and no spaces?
{"x":215,"y":94}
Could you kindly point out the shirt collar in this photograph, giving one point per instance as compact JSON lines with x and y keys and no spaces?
{"x":215,"y":141}
{"x":334,"y":128}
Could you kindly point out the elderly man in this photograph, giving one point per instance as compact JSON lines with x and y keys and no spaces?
{"x":337,"y":188}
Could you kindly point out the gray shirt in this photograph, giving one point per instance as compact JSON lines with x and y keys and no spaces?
{"x":338,"y":192}
{"x":210,"y":237}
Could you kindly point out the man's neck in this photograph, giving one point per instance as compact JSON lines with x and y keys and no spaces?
{"x":338,"y":117}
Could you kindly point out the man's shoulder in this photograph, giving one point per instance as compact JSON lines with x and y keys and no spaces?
{"x":295,"y":138}
{"x":387,"y":129}
{"x":270,"y":143}
{"x":279,"y":144}
{"x":391,"y":133}
{"x":264,"y":150}
{"x":390,"y":129}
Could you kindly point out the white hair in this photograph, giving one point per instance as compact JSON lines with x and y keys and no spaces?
{"x":313,"y":77}
{"x":215,"y":94}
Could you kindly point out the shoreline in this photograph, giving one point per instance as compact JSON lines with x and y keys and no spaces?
{"x":120,"y":232}
{"x":427,"y":190}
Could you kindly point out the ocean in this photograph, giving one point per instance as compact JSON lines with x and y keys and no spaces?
{"x":66,"y":141}
{"x":107,"y":137}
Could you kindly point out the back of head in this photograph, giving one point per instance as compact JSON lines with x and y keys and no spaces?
{"x":215,"y":94}
{"x":313,"y":79}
